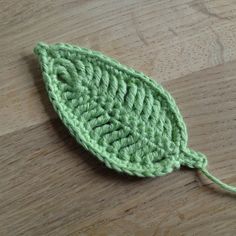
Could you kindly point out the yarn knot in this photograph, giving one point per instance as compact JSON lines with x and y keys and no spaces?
{"x":193,"y":159}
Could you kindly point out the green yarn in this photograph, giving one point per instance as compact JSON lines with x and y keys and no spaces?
{"x":124,"y":118}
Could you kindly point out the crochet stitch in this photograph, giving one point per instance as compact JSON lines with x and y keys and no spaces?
{"x":124,"y":118}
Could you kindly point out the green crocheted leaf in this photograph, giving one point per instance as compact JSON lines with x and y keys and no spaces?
{"x":123,"y":117}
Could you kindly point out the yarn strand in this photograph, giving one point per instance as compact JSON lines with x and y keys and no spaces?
{"x":218,"y":182}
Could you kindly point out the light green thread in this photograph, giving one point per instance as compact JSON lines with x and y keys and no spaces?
{"x":120,"y":115}
{"x":217,"y":181}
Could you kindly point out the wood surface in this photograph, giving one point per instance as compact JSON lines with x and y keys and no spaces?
{"x":49,"y":185}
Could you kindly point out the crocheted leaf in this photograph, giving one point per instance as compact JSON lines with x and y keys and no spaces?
{"x":124,"y":118}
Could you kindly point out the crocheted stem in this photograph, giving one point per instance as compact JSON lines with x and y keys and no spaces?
{"x":218,"y":182}
{"x":198,"y":160}
{"x":193,"y":159}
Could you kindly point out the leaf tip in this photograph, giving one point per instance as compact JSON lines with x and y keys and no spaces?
{"x":41,"y":49}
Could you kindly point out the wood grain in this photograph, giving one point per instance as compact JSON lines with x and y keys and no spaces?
{"x":49,"y":185}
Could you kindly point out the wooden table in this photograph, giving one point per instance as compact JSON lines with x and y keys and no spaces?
{"x":49,"y":185}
